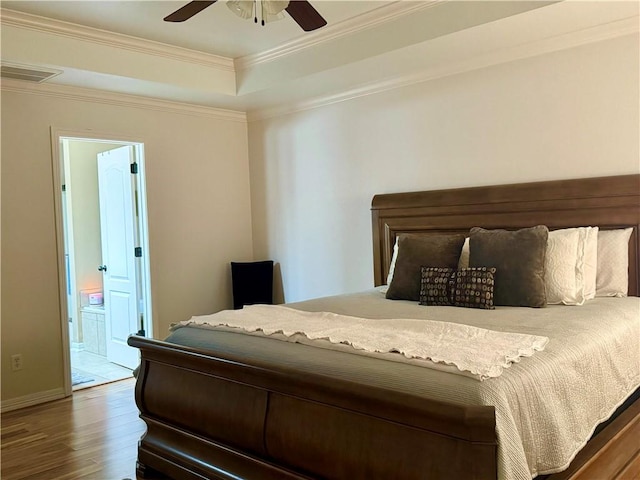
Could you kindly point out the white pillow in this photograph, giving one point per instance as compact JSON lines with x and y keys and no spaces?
{"x":590,"y":261}
{"x":613,"y":263}
{"x":464,"y":255}
{"x":564,"y":267}
{"x":392,"y":266}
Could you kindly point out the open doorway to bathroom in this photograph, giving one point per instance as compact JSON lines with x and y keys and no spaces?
{"x":105,"y":291}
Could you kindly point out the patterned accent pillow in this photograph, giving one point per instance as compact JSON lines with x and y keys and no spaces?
{"x":436,"y":285}
{"x":474,"y":287}
{"x":467,"y":287}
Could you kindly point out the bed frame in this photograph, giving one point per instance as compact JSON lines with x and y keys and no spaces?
{"x":212,"y":416}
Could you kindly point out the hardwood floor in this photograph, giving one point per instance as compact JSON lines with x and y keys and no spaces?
{"x":91,"y":435}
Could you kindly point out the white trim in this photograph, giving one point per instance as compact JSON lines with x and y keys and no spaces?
{"x":102,"y":37}
{"x":627,"y":26}
{"x":120,"y":99}
{"x":332,"y":32}
{"x":143,"y":241}
{"x":32,"y":399}
{"x":57,"y":162}
{"x":71,"y":308}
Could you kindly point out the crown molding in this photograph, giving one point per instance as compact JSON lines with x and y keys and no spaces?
{"x":347,"y":27}
{"x":627,"y":26}
{"x":111,"y":39}
{"x":120,"y":99}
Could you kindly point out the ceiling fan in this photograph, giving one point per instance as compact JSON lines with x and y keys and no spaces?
{"x":267,"y":10}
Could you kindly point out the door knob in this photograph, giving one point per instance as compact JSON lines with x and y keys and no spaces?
{"x":102,"y":268}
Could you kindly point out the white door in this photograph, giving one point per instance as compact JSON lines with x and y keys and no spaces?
{"x":118,"y":235}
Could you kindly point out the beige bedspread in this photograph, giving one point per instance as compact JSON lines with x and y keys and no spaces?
{"x":475,"y":351}
{"x":547,"y":406}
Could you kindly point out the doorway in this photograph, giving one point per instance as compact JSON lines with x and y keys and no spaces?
{"x":105,"y":290}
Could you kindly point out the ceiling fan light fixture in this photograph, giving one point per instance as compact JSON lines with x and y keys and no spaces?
{"x":269,"y":17}
{"x":242,"y":8}
{"x":301,"y":11}
{"x":274,"y":7}
{"x":266,"y":10}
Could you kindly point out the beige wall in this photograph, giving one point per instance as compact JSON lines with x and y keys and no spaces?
{"x":568,"y":114}
{"x":199,"y":219}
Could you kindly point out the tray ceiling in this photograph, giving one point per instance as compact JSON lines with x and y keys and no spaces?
{"x":217,"y":59}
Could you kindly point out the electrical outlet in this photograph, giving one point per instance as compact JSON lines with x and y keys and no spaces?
{"x":16,"y":362}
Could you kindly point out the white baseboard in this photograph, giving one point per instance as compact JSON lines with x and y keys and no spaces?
{"x":31,"y":399}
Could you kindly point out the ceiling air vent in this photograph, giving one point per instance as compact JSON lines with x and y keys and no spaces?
{"x":27,"y":72}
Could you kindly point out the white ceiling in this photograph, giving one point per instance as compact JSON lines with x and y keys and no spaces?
{"x":214,"y":30}
{"x":217,"y":59}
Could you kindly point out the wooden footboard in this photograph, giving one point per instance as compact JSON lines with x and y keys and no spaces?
{"x":221,"y":418}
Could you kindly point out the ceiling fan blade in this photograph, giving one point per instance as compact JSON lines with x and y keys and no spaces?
{"x":305,"y":15}
{"x":188,"y":11}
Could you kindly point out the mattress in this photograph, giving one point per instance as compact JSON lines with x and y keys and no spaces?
{"x":547,"y":406}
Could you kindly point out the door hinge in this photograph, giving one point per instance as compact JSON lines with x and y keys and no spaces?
{"x":64,"y":187}
{"x":137,"y":252}
{"x":141,"y":332}
{"x":134,"y":168}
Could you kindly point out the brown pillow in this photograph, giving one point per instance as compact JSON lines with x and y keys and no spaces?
{"x":414,"y":251}
{"x":518,"y":257}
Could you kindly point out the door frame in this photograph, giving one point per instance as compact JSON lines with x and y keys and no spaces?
{"x":58,"y":163}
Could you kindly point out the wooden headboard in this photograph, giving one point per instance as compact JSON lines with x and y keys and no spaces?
{"x":606,"y":202}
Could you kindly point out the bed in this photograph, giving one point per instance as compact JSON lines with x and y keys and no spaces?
{"x":234,"y":409}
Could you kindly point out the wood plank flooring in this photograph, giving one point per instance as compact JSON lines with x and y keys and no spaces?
{"x":92,"y":435}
